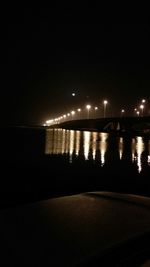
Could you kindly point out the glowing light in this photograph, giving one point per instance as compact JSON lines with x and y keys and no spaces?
{"x":86,"y":141}
{"x":103,"y":147}
{"x":88,"y":107}
{"x":105,"y":104}
{"x":94,"y":135}
{"x":77,"y":147}
{"x":79,"y":109}
{"x":72,"y":135}
{"x":133,"y":150}
{"x":120,"y":147}
{"x":139,"y":148}
{"x":67,"y":141}
{"x":63,"y":141}
{"x":96,"y":108}
{"x":73,"y":94}
{"x":142,"y":107}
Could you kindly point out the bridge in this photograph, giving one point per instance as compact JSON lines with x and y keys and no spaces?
{"x":124,"y":124}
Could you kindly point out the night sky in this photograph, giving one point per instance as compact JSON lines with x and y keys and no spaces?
{"x":50,"y":53}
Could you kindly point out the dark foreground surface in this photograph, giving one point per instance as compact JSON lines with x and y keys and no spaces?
{"x":91,"y":229}
{"x":28,"y":174}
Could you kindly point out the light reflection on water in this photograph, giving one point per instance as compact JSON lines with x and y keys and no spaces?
{"x":94,"y":146}
{"x":86,"y":142}
{"x":120,"y":147}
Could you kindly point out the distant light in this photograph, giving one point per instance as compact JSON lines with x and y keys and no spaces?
{"x":73,"y":94}
{"x":96,"y":108}
{"x":141,"y":106}
{"x":122,"y":110}
{"x":73,"y":112}
{"x":88,"y":106}
{"x":79,"y":109}
{"x":143,"y":100}
{"x":105,"y":102}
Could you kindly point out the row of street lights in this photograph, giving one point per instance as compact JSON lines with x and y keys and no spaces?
{"x":138,"y":112}
{"x":72,"y":113}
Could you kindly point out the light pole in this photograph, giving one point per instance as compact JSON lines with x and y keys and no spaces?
{"x":72,"y":113}
{"x":105,"y":104}
{"x":142,"y":107}
{"x":79,"y":112}
{"x":122,"y":112}
{"x":96,"y":108}
{"x":88,"y":110}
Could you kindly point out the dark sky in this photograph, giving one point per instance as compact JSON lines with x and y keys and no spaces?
{"x":49,"y":53}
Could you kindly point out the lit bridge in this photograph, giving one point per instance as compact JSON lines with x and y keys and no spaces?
{"x":124,"y":124}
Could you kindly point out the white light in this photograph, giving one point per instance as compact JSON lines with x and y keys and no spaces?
{"x":73,"y":94}
{"x":141,"y":106}
{"x":88,"y":106}
{"x":105,"y":102}
{"x":143,"y":100}
{"x":96,"y":108}
{"x":73,"y":112}
{"x":79,"y":109}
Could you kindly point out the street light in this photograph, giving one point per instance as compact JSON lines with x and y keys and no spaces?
{"x":105,"y":104}
{"x":96,"y":108}
{"x":79,"y":111}
{"x":138,"y":113}
{"x":142,"y":107}
{"x":122,"y":112}
{"x":143,"y":100}
{"x":72,"y":113}
{"x":88,"y":109}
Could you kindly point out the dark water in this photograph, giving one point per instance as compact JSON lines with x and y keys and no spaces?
{"x":38,"y":164}
{"x":101,"y":161}
{"x":101,"y":148}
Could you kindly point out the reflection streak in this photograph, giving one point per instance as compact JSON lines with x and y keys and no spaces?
{"x":86,"y":143}
{"x":77,"y":142}
{"x":140,"y":149}
{"x":59,"y":141}
{"x":103,"y":147}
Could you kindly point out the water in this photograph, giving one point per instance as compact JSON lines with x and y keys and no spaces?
{"x":39,"y":163}
{"x":102,"y":148}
